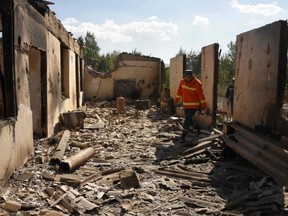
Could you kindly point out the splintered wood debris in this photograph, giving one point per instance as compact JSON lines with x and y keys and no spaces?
{"x":134,"y":164}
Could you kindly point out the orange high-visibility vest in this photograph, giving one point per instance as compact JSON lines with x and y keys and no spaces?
{"x":191,"y":94}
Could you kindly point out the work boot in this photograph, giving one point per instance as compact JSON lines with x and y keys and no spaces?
{"x":198,"y":130}
{"x":184,"y":133}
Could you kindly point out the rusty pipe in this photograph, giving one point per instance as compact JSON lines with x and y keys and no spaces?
{"x":76,"y":160}
{"x":61,"y":148}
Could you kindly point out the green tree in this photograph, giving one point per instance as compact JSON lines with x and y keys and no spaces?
{"x":136,"y":53}
{"x":91,"y":48}
{"x":81,"y":41}
{"x":181,"y":52}
{"x":103,"y":63}
{"x":227,"y":64}
{"x":193,"y":60}
{"x":107,"y":62}
{"x":166,"y":82}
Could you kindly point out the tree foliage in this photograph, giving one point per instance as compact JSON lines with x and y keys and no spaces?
{"x":102,"y":63}
{"x":227,"y":67}
{"x":227,"y":63}
{"x":193,"y":60}
{"x":107,"y":62}
{"x":136,"y":52}
{"x":166,"y":78}
{"x":91,"y":49}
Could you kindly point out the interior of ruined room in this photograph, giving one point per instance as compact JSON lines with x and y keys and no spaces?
{"x":75,"y":140}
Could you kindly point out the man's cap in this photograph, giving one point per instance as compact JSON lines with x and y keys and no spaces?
{"x":188,"y":73}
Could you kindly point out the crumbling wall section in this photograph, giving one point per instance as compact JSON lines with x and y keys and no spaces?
{"x":16,"y":134}
{"x":35,"y":57}
{"x":134,"y":78}
{"x":57,"y":101}
{"x":209,"y":79}
{"x":53,"y":82}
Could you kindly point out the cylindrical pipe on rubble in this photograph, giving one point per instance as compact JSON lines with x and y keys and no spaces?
{"x":61,"y":148}
{"x":76,"y":160}
{"x":12,"y":206}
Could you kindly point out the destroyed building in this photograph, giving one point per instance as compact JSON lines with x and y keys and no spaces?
{"x":41,"y":77}
{"x":260,"y":80}
{"x":132,"y":163}
{"x":134,"y":77}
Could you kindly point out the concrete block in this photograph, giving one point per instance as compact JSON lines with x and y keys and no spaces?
{"x":142,"y":104}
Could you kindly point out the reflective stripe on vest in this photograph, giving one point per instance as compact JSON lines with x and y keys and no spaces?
{"x":189,"y":88}
{"x":191,"y":103}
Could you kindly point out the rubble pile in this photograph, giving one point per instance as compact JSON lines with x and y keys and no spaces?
{"x":133,"y":164}
{"x":285,"y":111}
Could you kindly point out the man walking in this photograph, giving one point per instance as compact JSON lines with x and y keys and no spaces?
{"x":191,"y":93}
{"x":229,"y":94}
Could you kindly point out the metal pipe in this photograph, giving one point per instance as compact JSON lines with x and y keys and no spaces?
{"x":76,"y":160}
{"x":61,"y":148}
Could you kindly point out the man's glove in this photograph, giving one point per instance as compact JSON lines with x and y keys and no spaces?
{"x":205,"y":111}
{"x":177,"y":104}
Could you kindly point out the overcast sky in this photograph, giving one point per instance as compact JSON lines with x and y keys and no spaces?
{"x":159,"y":28}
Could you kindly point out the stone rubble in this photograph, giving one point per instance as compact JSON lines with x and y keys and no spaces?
{"x":139,"y":167}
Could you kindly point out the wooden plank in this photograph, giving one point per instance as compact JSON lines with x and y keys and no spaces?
{"x":200,"y":146}
{"x":202,"y":203}
{"x":205,"y":181}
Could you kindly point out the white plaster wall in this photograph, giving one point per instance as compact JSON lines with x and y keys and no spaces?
{"x":70,"y":103}
{"x":16,"y":139}
{"x":16,"y":136}
{"x":24,"y":123}
{"x":57,"y":104}
{"x":53,"y":82}
{"x":23,"y":135}
{"x":7,"y":147}
{"x":176,"y":74}
{"x":101,"y":89}
{"x":35,"y":87}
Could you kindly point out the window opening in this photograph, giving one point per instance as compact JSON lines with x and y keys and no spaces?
{"x":64,"y":71}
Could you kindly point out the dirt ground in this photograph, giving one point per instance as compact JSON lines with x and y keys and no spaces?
{"x":139,"y":167}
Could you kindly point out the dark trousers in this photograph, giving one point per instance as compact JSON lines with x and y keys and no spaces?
{"x":189,"y":113}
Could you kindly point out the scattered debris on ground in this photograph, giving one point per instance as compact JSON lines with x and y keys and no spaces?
{"x":134,"y":164}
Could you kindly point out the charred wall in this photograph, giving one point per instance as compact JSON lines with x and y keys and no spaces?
{"x":135,"y":77}
{"x":260,"y":75}
{"x":32,"y":73}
